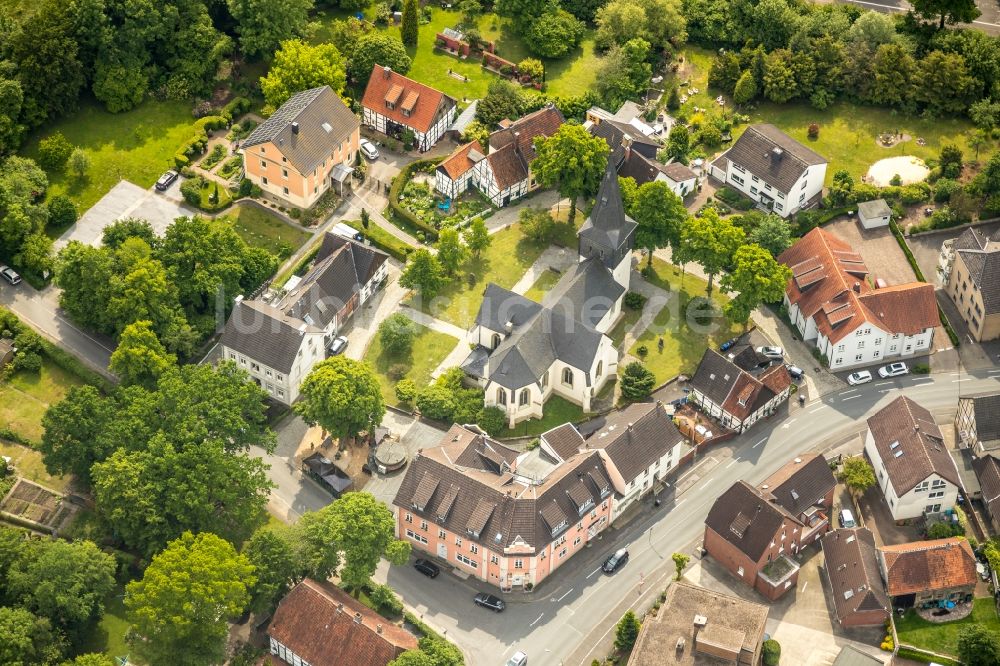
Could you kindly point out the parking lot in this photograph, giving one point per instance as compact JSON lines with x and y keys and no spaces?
{"x":127,"y":200}
{"x":878,"y":248}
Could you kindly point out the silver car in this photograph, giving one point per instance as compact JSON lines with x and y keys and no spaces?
{"x":860,"y":377}
{"x":368,"y":149}
{"x":10,"y":274}
{"x":893,"y":370}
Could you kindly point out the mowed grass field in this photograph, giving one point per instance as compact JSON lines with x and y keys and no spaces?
{"x":429,"y":349}
{"x":262,"y":229}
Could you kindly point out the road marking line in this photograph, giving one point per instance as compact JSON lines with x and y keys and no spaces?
{"x":735,"y":460}
{"x":851,"y":398}
{"x":847,"y":392}
{"x":676,"y":504}
{"x":813,"y":411}
{"x":880,"y":384}
{"x":759,"y":443}
{"x":598,"y":568}
{"x":536,"y":620}
{"x":705,"y":485}
{"x":564,"y":596}
{"x":804,"y":585}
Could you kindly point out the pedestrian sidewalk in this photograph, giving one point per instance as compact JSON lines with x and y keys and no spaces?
{"x":457,"y":355}
{"x":508,"y":215}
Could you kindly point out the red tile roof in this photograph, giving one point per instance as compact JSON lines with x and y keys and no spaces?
{"x":512,"y":148}
{"x":426,"y":104}
{"x":940,"y":564}
{"x":456,"y":164}
{"x":327,"y":627}
{"x":828,"y":284}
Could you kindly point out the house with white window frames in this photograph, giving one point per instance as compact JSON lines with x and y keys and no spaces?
{"x":913,"y":469}
{"x":393,"y":103}
{"x":777,"y":172}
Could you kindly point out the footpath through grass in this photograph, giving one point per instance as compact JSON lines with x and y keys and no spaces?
{"x":943,"y":638}
{"x":687,"y":330}
{"x":429,"y":349}
{"x":542,"y":285}
{"x":137,"y":146}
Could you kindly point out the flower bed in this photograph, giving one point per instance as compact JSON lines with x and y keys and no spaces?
{"x":422,"y":203}
{"x":231,"y":167}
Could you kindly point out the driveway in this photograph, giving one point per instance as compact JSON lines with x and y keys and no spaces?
{"x":127,"y":200}
{"x":878,"y":248}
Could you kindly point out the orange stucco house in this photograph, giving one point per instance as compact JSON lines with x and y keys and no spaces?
{"x":306,"y":147}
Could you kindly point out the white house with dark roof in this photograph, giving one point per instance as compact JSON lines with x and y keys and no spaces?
{"x":913,"y":468}
{"x":733,"y":396}
{"x":278,"y":342}
{"x":523,"y":352}
{"x":773,"y":169}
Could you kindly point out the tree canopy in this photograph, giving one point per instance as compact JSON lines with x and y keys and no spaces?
{"x":571,"y":160}
{"x":264,"y":24}
{"x":342,"y":396}
{"x":377,"y":48}
{"x":756,"y":278}
{"x":710,"y":241}
{"x":299,"y":66}
{"x":660,"y":215}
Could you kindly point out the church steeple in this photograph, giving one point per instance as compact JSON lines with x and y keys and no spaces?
{"x":608,"y":232}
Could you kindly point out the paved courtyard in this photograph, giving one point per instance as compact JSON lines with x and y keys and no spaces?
{"x":878,"y":248}
{"x":127,"y":200}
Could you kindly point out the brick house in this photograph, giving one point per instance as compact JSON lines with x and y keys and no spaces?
{"x":923,"y":573}
{"x":321,"y":625}
{"x":393,"y":103}
{"x":308,"y":145}
{"x":734,"y":396}
{"x":851,"y":564}
{"x":503,"y":517}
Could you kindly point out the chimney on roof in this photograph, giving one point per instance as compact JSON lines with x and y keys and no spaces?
{"x":508,"y":327}
{"x":295,"y":128}
{"x":238,"y":299}
{"x":777,"y":153}
{"x":340,"y":608}
{"x":386,"y":71}
{"x":378,"y":628}
{"x":857,"y":287}
{"x":357,"y":618}
{"x":629,"y":425}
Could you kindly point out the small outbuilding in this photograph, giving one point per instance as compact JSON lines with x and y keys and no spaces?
{"x":874,"y":214}
{"x":7,"y":351}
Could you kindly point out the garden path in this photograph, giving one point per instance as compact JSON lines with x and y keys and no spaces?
{"x":507,"y":216}
{"x":356,"y":202}
{"x":461,"y":350}
{"x":557,"y":258}
{"x":656,"y":300}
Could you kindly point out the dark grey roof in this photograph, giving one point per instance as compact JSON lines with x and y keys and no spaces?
{"x":747,"y":519}
{"x":501,"y":305}
{"x":986,"y":409}
{"x":475,"y":363}
{"x":678,"y":172}
{"x":636,"y":437}
{"x":982,"y":259}
{"x":715,"y":377}
{"x":851,"y":562}
{"x":614,"y":133}
{"x":988,"y":472}
{"x":748,"y":359}
{"x":565,"y":440}
{"x":324,"y":122}
{"x":755,"y":152}
{"x":265,"y":334}
{"x":608,"y":225}
{"x":801,"y":483}
{"x":852,"y":656}
{"x":874,"y":208}
{"x":587,"y":293}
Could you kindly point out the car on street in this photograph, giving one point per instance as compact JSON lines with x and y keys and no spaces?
{"x":9,"y":274}
{"x":166,"y":180}
{"x":893,"y":370}
{"x":338,"y":346}
{"x":368,"y":149}
{"x":427,"y":568}
{"x":771,"y":352}
{"x":796,"y":372}
{"x":859,"y":377}
{"x":518,"y":659}
{"x":616,"y":561}
{"x":489,"y":601}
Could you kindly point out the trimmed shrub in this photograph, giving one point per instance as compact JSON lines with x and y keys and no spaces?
{"x":191,"y":191}
{"x":235,"y":108}
{"x":492,"y":419}
{"x":397,"y":188}
{"x":406,"y":390}
{"x":771,"y":652}
{"x":54,"y":151}
{"x":634,"y":300}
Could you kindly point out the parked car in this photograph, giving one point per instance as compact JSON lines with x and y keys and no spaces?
{"x":771,"y":352}
{"x":617,"y":560}
{"x":10,"y":274}
{"x":725,"y":346}
{"x":893,"y":370}
{"x":796,"y":372}
{"x":860,"y":377}
{"x":166,"y":180}
{"x":368,"y":149}
{"x":338,"y":346}
{"x":519,"y":659}
{"x":427,"y":568}
{"x":489,"y":601}
{"x":847,"y":518}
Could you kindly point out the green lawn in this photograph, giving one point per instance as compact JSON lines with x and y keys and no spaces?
{"x":683,"y":346}
{"x":137,"y":145}
{"x":543,"y":285}
{"x":628,"y":320}
{"x":571,"y":75}
{"x":260,"y":228}
{"x":943,"y":638}
{"x":25,"y":397}
{"x":557,"y":411}
{"x":848,"y":132}
{"x":109,"y":636}
{"x":504,"y":262}
{"x":429,"y":349}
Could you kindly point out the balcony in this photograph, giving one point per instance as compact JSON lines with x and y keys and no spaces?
{"x":776,"y":572}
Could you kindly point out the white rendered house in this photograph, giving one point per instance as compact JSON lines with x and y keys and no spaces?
{"x":773,"y":169}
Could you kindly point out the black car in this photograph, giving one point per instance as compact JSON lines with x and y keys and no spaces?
{"x":618,"y":559}
{"x":166,"y":180}
{"x":427,"y":568}
{"x":489,"y":601}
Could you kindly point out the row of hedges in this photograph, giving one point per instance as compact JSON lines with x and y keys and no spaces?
{"x":907,"y":652}
{"x":952,"y":335}
{"x":397,"y":188}
{"x":733,"y":198}
{"x":234,"y":109}
{"x":383,"y":240}
{"x":199,"y":140}
{"x":807,"y":220}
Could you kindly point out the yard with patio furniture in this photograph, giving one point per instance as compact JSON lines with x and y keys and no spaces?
{"x":429,"y":349}
{"x":943,"y":637}
{"x":682,"y":346}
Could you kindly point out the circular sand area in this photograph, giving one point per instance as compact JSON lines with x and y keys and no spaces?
{"x":910,"y":169}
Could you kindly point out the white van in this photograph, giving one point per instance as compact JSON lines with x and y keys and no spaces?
{"x":847,"y":518}
{"x":347,"y":231}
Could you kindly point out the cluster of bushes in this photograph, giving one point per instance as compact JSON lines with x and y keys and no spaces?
{"x":234,"y":109}
{"x":430,"y":233}
{"x":733,"y":198}
{"x":448,"y":400}
{"x":198,"y":142}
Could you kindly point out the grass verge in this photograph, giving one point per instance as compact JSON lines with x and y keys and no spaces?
{"x":943,"y":638}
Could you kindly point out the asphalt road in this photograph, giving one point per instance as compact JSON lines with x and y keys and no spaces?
{"x":988,"y":22}
{"x":574,"y":611}
{"x":41,"y":310}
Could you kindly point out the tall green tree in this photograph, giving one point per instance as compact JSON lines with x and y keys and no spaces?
{"x":627,"y":631}
{"x":746,"y":88}
{"x":678,"y":143}
{"x":342,"y":396}
{"x":571,"y":160}
{"x":857,"y":475}
{"x":179,"y":609}
{"x":660,"y":215}
{"x":477,"y":237}
{"x":396,"y":334}
{"x":423,"y":273}
{"x":680,"y":561}
{"x":300,"y":66}
{"x":73,"y":437}
{"x":660,"y":22}
{"x":27,"y":638}
{"x":710,"y":241}
{"x":978,"y":646}
{"x":779,"y":76}
{"x":278,"y":561}
{"x":947,"y":11}
{"x":757,"y":277}
{"x":893,"y":69}
{"x":771,"y":233}
{"x":410,"y":28}
{"x":451,"y":253}
{"x":140,"y":357}
{"x":263,"y":25}
{"x":554,"y":34}
{"x":943,"y":82}
{"x":377,"y":48}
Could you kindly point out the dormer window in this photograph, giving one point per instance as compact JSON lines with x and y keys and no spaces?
{"x":406,"y":112}
{"x":585,"y":507}
{"x":561,"y":527}
{"x":389,"y":105}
